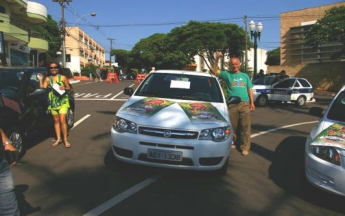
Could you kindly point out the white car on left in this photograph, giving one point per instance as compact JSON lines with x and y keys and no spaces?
{"x":174,"y":119}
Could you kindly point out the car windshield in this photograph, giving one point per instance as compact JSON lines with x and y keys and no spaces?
{"x":336,"y":111}
{"x":265,"y":81}
{"x":181,"y":86}
{"x":10,"y":81}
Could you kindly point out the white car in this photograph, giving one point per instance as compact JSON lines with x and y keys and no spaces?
{"x":174,"y":119}
{"x":325,"y":148}
{"x":293,"y":89}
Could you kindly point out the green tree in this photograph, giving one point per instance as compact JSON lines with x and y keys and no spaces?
{"x":205,"y":38}
{"x":330,"y":28}
{"x":273,"y":57}
{"x":49,"y":31}
{"x":122,"y":58}
{"x":156,"y":51}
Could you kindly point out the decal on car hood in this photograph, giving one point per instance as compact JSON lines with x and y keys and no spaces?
{"x":202,"y":112}
{"x":334,"y":136}
{"x":147,"y":107}
{"x":195,"y":111}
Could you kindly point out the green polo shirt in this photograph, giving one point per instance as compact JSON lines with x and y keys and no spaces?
{"x":237,"y":84}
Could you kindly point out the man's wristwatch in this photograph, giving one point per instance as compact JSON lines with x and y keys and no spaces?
{"x":7,"y":143}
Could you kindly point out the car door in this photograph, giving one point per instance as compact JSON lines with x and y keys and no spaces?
{"x":35,"y":115}
{"x":281,"y":91}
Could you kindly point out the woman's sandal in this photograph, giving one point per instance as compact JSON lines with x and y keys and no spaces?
{"x":57,"y":142}
{"x":67,"y":144}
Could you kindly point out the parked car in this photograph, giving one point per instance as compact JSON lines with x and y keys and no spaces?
{"x":175,"y":119}
{"x":23,"y":105}
{"x":325,"y":148}
{"x":292,"y":89}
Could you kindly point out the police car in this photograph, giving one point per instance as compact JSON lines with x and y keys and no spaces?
{"x":293,"y":89}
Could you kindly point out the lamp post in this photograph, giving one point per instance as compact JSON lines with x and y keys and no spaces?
{"x":256,"y":33}
{"x":64,"y":35}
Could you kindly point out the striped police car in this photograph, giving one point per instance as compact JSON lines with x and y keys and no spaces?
{"x":293,"y":89}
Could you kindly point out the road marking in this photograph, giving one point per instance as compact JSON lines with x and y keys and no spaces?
{"x":122,"y":196}
{"x":80,"y":121}
{"x":280,"y":128}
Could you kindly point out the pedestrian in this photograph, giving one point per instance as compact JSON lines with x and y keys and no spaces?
{"x":282,"y":75}
{"x":58,"y":86}
{"x":152,"y":70}
{"x":260,"y":74}
{"x":238,"y":84}
{"x":98,"y":74}
{"x":8,"y":157}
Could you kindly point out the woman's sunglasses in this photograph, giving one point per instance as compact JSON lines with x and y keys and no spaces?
{"x":53,"y":67}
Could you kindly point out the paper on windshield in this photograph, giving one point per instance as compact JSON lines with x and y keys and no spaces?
{"x":334,"y":136}
{"x":180,"y":84}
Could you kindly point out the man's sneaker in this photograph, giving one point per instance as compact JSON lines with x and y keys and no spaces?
{"x":233,"y":146}
{"x":245,"y":153}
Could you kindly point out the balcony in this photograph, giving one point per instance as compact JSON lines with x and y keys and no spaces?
{"x":39,"y":43}
{"x":36,"y":13}
{"x":18,"y":6}
{"x":14,"y":30}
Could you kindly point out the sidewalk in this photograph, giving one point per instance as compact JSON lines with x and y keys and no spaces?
{"x":323,"y":92}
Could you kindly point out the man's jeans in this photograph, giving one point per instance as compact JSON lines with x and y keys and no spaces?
{"x":240,"y":116}
{"x":8,"y":201}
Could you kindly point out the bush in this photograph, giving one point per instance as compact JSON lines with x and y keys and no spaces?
{"x":89,"y":68}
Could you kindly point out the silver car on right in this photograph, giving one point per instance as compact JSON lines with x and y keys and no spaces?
{"x":325,"y":148}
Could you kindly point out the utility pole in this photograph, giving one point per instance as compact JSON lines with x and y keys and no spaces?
{"x":246,"y":44}
{"x":111,"y":47}
{"x":63,"y":29}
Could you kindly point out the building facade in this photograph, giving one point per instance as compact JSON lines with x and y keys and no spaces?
{"x":293,"y":27}
{"x":20,"y":45}
{"x":81,"y":50}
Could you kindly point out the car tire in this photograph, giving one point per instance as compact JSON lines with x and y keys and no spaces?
{"x":300,"y":101}
{"x":17,"y":140}
{"x":262,"y":100}
{"x":70,"y":119}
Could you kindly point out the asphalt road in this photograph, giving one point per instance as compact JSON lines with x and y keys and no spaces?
{"x":85,"y":179}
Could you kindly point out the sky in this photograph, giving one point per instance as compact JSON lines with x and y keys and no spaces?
{"x":128,"y":21}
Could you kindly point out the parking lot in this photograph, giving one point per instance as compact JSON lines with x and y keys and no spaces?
{"x":86,"y":180}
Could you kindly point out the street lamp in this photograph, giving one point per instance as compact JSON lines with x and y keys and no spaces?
{"x":256,"y":33}
{"x":64,"y":34}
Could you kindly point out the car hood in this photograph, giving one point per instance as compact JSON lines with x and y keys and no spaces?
{"x":177,"y":114}
{"x":330,"y":133}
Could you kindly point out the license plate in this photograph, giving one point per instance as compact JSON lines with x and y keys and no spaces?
{"x":164,"y":155}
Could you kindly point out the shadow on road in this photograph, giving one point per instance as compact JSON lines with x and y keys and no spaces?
{"x":287,"y":171}
{"x":24,"y":207}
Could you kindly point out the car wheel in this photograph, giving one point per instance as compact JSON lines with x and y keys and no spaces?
{"x":261,"y":100}
{"x":17,"y":140}
{"x":70,"y":119}
{"x":300,"y":101}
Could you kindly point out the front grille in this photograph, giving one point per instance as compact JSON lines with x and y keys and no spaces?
{"x":167,"y":146}
{"x":185,"y":161}
{"x":177,"y":134}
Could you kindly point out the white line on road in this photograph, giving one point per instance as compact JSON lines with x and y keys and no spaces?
{"x":124,"y":195}
{"x":280,"y":128}
{"x":120,"y":93}
{"x":81,"y":120}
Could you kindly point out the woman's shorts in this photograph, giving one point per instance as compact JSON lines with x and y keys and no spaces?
{"x":62,"y":110}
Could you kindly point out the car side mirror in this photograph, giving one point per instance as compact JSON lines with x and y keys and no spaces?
{"x":317,"y":111}
{"x":128,"y":91}
{"x":233,"y":100}
{"x":38,"y":92}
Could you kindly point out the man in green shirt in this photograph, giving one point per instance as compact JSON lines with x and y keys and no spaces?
{"x":238,"y":84}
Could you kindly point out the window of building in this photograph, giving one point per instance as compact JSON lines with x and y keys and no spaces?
{"x":2,"y":9}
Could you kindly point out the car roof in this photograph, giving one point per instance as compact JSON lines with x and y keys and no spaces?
{"x":194,"y":73}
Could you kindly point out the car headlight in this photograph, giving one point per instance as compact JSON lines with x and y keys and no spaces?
{"x":215,"y":134}
{"x":122,"y":125}
{"x":327,"y":153}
